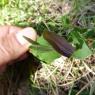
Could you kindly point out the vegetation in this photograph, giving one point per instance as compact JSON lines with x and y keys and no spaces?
{"x":72,"y":19}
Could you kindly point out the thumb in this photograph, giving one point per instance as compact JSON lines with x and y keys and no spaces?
{"x":19,"y":45}
{"x":27,"y":32}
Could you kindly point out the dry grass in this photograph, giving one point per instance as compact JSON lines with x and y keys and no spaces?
{"x":63,"y":75}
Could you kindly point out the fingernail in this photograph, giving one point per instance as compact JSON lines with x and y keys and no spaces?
{"x":27,"y":32}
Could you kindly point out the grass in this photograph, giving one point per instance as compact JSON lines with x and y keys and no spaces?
{"x":63,"y":76}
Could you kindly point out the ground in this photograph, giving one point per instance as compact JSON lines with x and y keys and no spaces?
{"x":64,"y":76}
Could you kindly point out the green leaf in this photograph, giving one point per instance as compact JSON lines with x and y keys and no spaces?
{"x":82,"y":50}
{"x":47,"y":56}
{"x":76,"y":38}
{"x":45,"y":52}
{"x":65,"y":21}
{"x":90,"y":33}
{"x":42,"y":41}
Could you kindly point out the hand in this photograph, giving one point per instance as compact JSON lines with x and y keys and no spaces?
{"x":12,"y":43}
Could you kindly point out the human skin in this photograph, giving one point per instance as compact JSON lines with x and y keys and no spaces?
{"x":12,"y":44}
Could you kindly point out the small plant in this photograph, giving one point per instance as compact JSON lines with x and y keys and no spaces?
{"x":71,"y":26}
